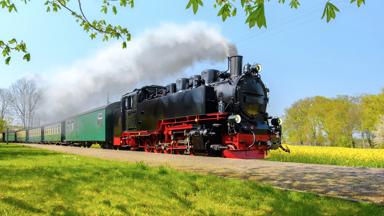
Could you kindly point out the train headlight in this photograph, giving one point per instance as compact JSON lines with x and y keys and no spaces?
{"x":258,"y":68}
{"x":234,"y":119}
{"x":276,"y":122}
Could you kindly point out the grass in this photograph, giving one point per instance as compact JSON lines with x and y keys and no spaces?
{"x":356,"y":157}
{"x":40,"y":182}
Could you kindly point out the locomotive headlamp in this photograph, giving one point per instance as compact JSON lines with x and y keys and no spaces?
{"x":276,"y":121}
{"x":234,"y":119}
{"x":258,"y":68}
{"x":253,"y":69}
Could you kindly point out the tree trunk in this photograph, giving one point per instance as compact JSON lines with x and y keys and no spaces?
{"x":353,"y":142}
{"x":369,"y":139}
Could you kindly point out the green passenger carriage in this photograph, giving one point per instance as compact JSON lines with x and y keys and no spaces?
{"x":95,"y":126}
{"x":53,"y":133}
{"x":21,"y":136}
{"x":86,"y":128}
{"x":10,"y":137}
{"x":34,"y":135}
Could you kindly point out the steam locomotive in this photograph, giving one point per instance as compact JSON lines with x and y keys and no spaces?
{"x":218,"y":113}
{"x":215,"y":113}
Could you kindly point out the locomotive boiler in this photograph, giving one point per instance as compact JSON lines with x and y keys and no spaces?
{"x":221,"y":113}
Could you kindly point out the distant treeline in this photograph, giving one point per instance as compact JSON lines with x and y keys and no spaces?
{"x":18,"y":105}
{"x":341,"y":121}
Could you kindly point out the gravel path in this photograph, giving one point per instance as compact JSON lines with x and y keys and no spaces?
{"x":364,"y":184}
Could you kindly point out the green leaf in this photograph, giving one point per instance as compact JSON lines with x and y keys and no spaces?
{"x":93,"y":35}
{"x":358,"y":2}
{"x":7,"y":60}
{"x":294,"y":4}
{"x":225,"y":11}
{"x":234,"y":12}
{"x":104,"y":9}
{"x":114,"y":10}
{"x":194,"y":4}
{"x":13,"y":41}
{"x":189,"y":4}
{"x":243,"y":2}
{"x":330,"y":11}
{"x":124,"y":45}
{"x":257,"y":16}
{"x":123,"y":3}
{"x":27,"y":57}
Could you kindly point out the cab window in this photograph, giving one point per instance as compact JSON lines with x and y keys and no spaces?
{"x":129,"y":102}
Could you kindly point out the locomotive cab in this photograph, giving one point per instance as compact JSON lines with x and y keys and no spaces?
{"x":129,"y":105}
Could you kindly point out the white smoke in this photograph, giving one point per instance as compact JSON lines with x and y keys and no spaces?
{"x":156,"y":55}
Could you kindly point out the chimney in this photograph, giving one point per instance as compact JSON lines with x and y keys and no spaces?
{"x":235,"y":64}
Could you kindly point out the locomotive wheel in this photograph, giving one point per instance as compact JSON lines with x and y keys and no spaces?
{"x":147,"y":148}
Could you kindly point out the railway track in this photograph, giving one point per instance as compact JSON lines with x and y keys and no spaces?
{"x":353,"y":183}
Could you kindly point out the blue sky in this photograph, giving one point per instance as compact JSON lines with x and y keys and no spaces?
{"x":301,"y":54}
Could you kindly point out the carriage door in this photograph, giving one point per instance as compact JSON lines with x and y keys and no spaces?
{"x":130,"y":111}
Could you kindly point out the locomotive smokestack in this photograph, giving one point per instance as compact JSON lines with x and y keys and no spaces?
{"x":235,"y":64}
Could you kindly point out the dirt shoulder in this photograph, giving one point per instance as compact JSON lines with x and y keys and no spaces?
{"x":366,"y":184}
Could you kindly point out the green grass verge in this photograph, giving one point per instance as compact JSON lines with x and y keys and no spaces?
{"x":341,"y":156}
{"x":40,"y":182}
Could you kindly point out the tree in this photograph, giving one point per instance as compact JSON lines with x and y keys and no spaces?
{"x":378,"y":139}
{"x":340,"y":120}
{"x":4,"y":103}
{"x":295,"y":120}
{"x":4,"y":108}
{"x":303,"y":122}
{"x":372,"y":107}
{"x":24,"y":98}
{"x":253,"y":9}
{"x":3,"y":125}
{"x":323,"y":121}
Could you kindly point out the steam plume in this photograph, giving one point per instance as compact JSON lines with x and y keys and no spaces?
{"x":157,"y":54}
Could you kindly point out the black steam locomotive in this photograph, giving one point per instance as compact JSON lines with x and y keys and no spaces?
{"x":216,"y":113}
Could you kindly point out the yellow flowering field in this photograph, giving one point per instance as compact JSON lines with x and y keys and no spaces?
{"x":356,"y":157}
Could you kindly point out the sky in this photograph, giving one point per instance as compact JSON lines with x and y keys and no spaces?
{"x":301,"y":55}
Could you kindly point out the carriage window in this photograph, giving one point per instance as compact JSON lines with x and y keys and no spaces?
{"x":70,"y":126}
{"x":100,"y":119}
